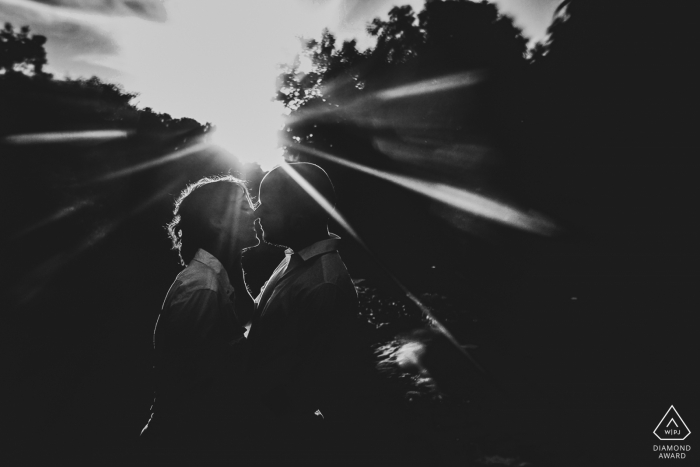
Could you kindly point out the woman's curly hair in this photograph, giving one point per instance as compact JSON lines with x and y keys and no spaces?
{"x":174,"y":227}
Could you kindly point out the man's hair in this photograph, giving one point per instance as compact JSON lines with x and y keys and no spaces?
{"x":296,"y":198}
{"x":198,"y":202}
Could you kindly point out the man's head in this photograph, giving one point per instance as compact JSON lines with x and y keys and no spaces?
{"x":214,"y":213}
{"x":288,"y":212}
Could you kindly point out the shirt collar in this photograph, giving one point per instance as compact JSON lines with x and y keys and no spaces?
{"x":206,"y":258}
{"x":318,"y":248}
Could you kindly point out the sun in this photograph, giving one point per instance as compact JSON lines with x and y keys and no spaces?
{"x":253,"y":137}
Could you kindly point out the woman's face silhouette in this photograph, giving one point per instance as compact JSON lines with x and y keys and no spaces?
{"x":241,"y":222}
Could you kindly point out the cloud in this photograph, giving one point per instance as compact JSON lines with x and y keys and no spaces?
{"x":152,"y":10}
{"x":80,"y":39}
{"x":67,"y":36}
{"x":532,"y":16}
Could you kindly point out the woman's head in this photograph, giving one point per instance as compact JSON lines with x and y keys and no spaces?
{"x":215,"y":214}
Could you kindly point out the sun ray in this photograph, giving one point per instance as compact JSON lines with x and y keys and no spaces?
{"x":67,"y":137}
{"x":370,"y":100}
{"x":433,"y":85}
{"x":155,"y":162}
{"x":61,"y":213}
{"x":456,"y":197}
{"x":37,"y":279}
{"x":328,"y":207}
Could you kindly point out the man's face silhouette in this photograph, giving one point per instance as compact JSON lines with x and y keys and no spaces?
{"x":289,"y":214}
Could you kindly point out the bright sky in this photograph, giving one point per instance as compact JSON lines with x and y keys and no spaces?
{"x":211,"y":60}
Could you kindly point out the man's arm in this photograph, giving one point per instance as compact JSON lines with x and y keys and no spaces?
{"x":317,"y":344}
{"x":326,"y":347}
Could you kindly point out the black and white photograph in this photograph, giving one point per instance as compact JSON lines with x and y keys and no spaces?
{"x":349,"y":233}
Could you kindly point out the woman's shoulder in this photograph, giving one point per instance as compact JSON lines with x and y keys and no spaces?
{"x":197,"y":276}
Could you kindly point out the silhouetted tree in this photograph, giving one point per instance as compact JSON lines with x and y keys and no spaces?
{"x":85,"y":248}
{"x":297,"y":88}
{"x":610,"y":101}
{"x":337,"y":98}
{"x":399,"y":38}
{"x":446,"y":37}
{"x":21,"y":52}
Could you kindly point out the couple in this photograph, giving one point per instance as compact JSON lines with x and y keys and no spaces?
{"x":275,"y":394}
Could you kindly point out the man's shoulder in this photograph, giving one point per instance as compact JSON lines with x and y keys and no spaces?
{"x":327,"y":270}
{"x":333,"y":265}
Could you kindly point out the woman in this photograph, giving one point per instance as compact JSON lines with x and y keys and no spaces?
{"x":199,"y":341}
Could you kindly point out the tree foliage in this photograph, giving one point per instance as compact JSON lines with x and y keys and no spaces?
{"x":298,"y":86}
{"x":446,"y":36}
{"x":337,"y":97}
{"x":21,"y":52}
{"x":599,"y":124}
{"x":399,"y":38}
{"x":121,"y":173}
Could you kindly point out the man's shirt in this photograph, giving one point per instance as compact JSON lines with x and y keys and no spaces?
{"x":194,"y":336}
{"x":304,"y":317}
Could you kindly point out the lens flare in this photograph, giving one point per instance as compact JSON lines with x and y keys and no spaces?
{"x":456,"y":197}
{"x":359,"y":110}
{"x":67,"y":137}
{"x":56,"y":216}
{"x":430,"y":86}
{"x":409,"y":353}
{"x":328,"y":207}
{"x":37,"y":279}
{"x":155,"y":162}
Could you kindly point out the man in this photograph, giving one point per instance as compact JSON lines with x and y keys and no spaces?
{"x":198,"y":338}
{"x":302,"y":331}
